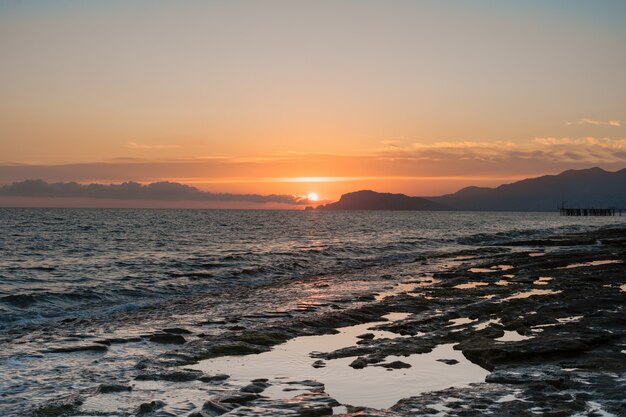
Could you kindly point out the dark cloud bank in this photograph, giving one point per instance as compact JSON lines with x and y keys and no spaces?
{"x":163,"y":191}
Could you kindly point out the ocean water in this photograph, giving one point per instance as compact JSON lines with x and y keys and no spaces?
{"x":56,"y":263}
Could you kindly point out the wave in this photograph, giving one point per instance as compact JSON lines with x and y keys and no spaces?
{"x":78,"y":269}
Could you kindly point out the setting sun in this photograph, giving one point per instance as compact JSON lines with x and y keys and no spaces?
{"x":312,"y":197}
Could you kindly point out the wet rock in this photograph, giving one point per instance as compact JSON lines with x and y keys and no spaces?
{"x":492,"y":331}
{"x":112,"y":388}
{"x":233,"y":349}
{"x":307,"y":383}
{"x":121,"y":340}
{"x":548,"y":374}
{"x":58,"y":409}
{"x":366,"y":336}
{"x":261,"y":383}
{"x":212,"y":408}
{"x":448,"y":361}
{"x":263,"y":338}
{"x":239,"y":398}
{"x":213,"y":378}
{"x":167,"y":338}
{"x":303,"y":405}
{"x":395,"y":365}
{"x":319,"y":364}
{"x":149,"y":408}
{"x":199,"y":414}
{"x":176,"y":330}
{"x":487,"y":353}
{"x":359,"y":363}
{"x":172,"y":376}
{"x":253,"y":388}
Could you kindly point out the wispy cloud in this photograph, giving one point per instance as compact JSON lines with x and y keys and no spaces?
{"x":402,"y":160}
{"x":135,"y":145}
{"x":594,"y":122}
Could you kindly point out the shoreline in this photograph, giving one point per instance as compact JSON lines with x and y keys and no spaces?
{"x":545,"y":368}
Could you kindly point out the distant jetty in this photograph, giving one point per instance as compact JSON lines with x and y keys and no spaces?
{"x":571,"y":211}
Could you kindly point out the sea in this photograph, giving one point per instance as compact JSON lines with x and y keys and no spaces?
{"x":56,"y":263}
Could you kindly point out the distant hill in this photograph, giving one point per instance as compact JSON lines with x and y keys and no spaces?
{"x":582,"y":188}
{"x":592,"y":187}
{"x":371,"y":200}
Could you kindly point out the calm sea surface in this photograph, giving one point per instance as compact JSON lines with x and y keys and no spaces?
{"x":61,"y":262}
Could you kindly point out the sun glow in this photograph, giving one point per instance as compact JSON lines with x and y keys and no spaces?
{"x":312,"y":197}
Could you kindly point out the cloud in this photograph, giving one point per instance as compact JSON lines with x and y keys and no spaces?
{"x":588,"y":142}
{"x":164,"y":191}
{"x":284,"y":172}
{"x":549,"y":149}
{"x":135,"y":145}
{"x":594,"y":122}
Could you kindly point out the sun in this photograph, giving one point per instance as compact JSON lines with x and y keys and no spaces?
{"x":312,"y":197}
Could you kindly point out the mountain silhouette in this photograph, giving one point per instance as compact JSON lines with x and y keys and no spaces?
{"x":371,"y":200}
{"x":584,"y":188}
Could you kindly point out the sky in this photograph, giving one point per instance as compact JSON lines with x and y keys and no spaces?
{"x":294,"y":97}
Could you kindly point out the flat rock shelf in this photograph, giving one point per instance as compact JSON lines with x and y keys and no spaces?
{"x":423,"y":340}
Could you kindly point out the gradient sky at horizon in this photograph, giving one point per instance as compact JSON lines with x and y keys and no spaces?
{"x":421,"y":97}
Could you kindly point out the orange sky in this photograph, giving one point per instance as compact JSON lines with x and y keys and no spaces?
{"x":296,"y":97}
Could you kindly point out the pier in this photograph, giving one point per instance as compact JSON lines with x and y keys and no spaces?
{"x":570,"y":211}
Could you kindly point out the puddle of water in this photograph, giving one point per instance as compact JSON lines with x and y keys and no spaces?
{"x":420,"y":294}
{"x":508,"y":276}
{"x":569,"y":319}
{"x":593,"y":263}
{"x":502,"y":282}
{"x":507,"y":398}
{"x":492,"y":269}
{"x":623,"y":287}
{"x":460,"y":321}
{"x":179,"y":400}
{"x":531,"y":293}
{"x":482,"y":270}
{"x":512,"y":336}
{"x":536,"y":254}
{"x":543,"y":281}
{"x":400,"y":288}
{"x":473,"y":284}
{"x":372,"y":386}
{"x":540,"y":327}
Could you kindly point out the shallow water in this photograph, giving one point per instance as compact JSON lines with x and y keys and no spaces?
{"x":472,"y":284}
{"x":593,"y":263}
{"x":372,"y":386}
{"x":511,"y":336}
{"x":531,"y":293}
{"x":543,"y":281}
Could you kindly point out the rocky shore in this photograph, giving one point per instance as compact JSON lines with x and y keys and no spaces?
{"x":544,"y":319}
